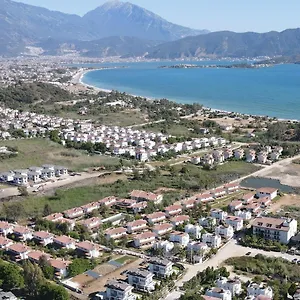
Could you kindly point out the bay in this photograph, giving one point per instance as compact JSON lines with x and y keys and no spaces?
{"x":273,"y":91}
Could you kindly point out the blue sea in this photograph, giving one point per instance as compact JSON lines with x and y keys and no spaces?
{"x":273,"y":91}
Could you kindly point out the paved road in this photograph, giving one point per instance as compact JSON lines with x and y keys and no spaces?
{"x":231,"y":249}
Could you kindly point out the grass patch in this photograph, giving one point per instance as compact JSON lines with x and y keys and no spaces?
{"x":36,"y":152}
{"x":122,"y":260}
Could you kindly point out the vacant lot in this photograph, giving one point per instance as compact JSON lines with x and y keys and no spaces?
{"x":36,"y":152}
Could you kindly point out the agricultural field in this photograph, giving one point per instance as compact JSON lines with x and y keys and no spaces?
{"x":36,"y":152}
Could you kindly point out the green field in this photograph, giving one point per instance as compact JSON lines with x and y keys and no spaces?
{"x":123,"y":259}
{"x":36,"y":152}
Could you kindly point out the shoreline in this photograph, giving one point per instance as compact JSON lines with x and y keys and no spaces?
{"x":78,"y":79}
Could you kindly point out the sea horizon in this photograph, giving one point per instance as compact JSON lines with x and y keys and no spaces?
{"x":272,"y":91}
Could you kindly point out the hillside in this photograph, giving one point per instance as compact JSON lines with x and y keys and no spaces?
{"x":231,"y":44}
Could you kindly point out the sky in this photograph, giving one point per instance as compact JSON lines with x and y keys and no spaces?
{"x":214,"y":15}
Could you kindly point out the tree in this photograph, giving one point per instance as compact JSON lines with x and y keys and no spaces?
{"x":79,"y":265}
{"x":10,"y":276}
{"x":46,"y":268}
{"x":47,"y":210}
{"x":14,"y":211}
{"x":23,"y":191}
{"x":53,"y":292}
{"x":33,"y":278}
{"x":54,"y":136}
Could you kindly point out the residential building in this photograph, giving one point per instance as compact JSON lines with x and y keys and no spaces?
{"x":212,"y":240}
{"x":245,"y":215}
{"x":194,"y":231}
{"x":144,"y":240}
{"x":141,"y":279}
{"x":43,"y":237}
{"x":7,"y":296}
{"x":156,"y":217}
{"x":5,"y":242}
{"x":233,"y":285}
{"x":6,"y":228}
{"x":256,"y":289}
{"x":146,"y":196}
{"x":247,"y":198}
{"x":226,"y":232}
{"x":91,"y":223}
{"x":65,"y":242}
{"x":60,"y":267}
{"x":236,"y":222}
{"x":166,"y":246}
{"x":219,"y":192}
{"x":90,"y":207}
{"x":218,"y":214}
{"x":23,"y":233}
{"x":135,"y":226}
{"x":108,"y":201}
{"x":235,"y":205}
{"x":219,"y":293}
{"x":208,"y":222}
{"x":196,"y":251}
{"x":232,"y":187}
{"x":278,"y":229}
{"x":119,"y":290}
{"x":18,"y":251}
{"x":180,"y":238}
{"x":239,"y":153}
{"x":267,"y":192}
{"x":251,"y":156}
{"x":54,"y":217}
{"x":173,"y":210}
{"x":162,"y":229}
{"x":203,"y":198}
{"x":178,"y":220}
{"x":115,"y":233}
{"x":36,"y":255}
{"x":74,"y":213}
{"x":262,"y":157}
{"x":90,"y":249}
{"x":160,"y":267}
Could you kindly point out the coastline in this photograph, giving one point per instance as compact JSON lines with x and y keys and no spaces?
{"x":77,"y":79}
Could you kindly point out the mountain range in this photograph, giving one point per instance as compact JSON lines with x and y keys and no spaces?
{"x":123,"y":29}
{"x":22,"y":25}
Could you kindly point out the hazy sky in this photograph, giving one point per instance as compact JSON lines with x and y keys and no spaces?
{"x":236,"y":15}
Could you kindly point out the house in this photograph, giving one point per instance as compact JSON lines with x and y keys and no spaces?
{"x":162,"y":229}
{"x":5,"y":242}
{"x":219,"y":192}
{"x":228,"y":153}
{"x":267,"y":192}
{"x":180,"y":238}
{"x":91,"y":223}
{"x":256,"y":289}
{"x":226,"y":232}
{"x":90,"y":207}
{"x":218,"y":156}
{"x":208,"y":222}
{"x":212,"y":240}
{"x":7,"y":296}
{"x":23,"y":233}
{"x":178,"y":220}
{"x":245,"y":215}
{"x":141,"y":279}
{"x":36,"y":255}
{"x":18,"y":251}
{"x":208,"y":159}
{"x":202,"y":198}
{"x":6,"y":228}
{"x":196,"y":252}
{"x":166,"y":246}
{"x":160,"y":267}
{"x":119,"y":290}
{"x":136,"y":226}
{"x":70,"y":223}
{"x":60,"y":171}
{"x":54,"y":217}
{"x":262,"y":157}
{"x":232,"y":187}
{"x":156,"y":217}
{"x":43,"y":237}
{"x":139,"y":207}
{"x":60,"y":267}
{"x":108,"y":201}
{"x":173,"y":210}
{"x":247,"y":198}
{"x":146,"y":196}
{"x":194,"y":231}
{"x":74,"y":213}
{"x":65,"y":242}
{"x":144,"y":240}
{"x":125,"y":203}
{"x":90,"y":249}
{"x":235,"y":205}
{"x":218,"y":214}
{"x":219,"y":293}
{"x":275,"y":155}
{"x":115,"y":233}
{"x":251,"y":156}
{"x":20,"y":179}
{"x":278,"y":229}
{"x":239,"y":153}
{"x":190,"y":203}
{"x":236,"y":222}
{"x":233,"y":285}
{"x":34,"y":176}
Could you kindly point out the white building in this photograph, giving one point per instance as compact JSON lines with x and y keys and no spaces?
{"x":255,"y":289}
{"x":245,"y":215}
{"x":180,"y":238}
{"x":208,"y":222}
{"x":194,"y":231}
{"x":267,"y":192}
{"x":117,"y":290}
{"x":212,"y":240}
{"x":236,"y":222}
{"x":226,"y":232}
{"x":160,"y":267}
{"x":277,"y":229}
{"x":233,"y":285}
{"x":141,"y":279}
{"x":166,"y":246}
{"x":218,"y":214}
{"x":219,"y":293}
{"x":196,"y":251}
